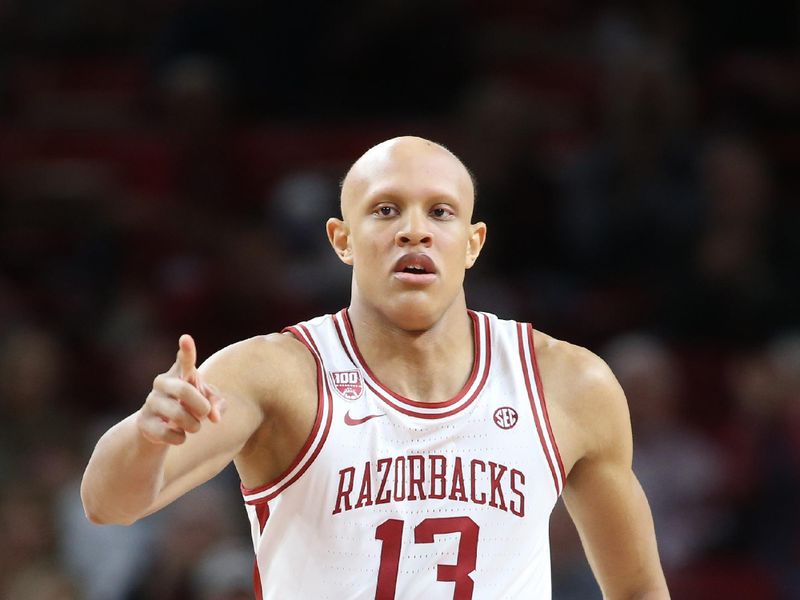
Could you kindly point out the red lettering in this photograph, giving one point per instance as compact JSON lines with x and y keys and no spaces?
{"x":457,"y":489}
{"x":390,"y":533}
{"x":344,"y":494}
{"x":495,"y":476}
{"x":517,"y":509}
{"x":411,"y":482}
{"x":365,"y":495}
{"x":416,"y":476}
{"x":472,"y":468}
{"x":437,"y":476}
{"x":467,"y":558}
{"x":381,"y":464}
{"x":399,"y":488}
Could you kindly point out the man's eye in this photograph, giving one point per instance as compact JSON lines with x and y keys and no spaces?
{"x":441,"y":213}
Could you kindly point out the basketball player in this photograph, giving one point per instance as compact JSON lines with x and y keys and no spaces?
{"x":405,"y":447}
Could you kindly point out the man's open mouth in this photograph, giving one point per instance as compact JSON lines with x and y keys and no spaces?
{"x":415,"y":267}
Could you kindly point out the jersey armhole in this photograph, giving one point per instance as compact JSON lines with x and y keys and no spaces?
{"x":316,"y":438}
{"x":540,"y":390}
{"x":535,"y":392}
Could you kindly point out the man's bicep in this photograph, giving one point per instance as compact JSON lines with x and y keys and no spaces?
{"x":607,"y":502}
{"x":613,"y":519}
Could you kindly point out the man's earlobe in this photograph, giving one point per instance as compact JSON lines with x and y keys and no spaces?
{"x":475,"y":243}
{"x":339,"y":238}
{"x":346,"y":256}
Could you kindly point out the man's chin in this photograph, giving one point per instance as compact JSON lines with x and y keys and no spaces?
{"x":414,"y":312}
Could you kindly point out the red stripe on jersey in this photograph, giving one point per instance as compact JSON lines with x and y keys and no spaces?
{"x":388,"y":396}
{"x":323,"y":395}
{"x":473,"y":373}
{"x":341,"y":338}
{"x":262,"y":512}
{"x":540,"y":388}
{"x":328,"y":421}
{"x":259,"y":595}
{"x":531,"y":397}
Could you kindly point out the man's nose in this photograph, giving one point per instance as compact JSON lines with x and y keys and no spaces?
{"x":414,"y":231}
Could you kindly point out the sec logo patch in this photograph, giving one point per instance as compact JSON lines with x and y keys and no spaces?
{"x":505,"y":417}
{"x":349,"y":384}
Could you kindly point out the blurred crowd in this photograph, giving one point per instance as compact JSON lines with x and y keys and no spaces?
{"x":167,"y":167}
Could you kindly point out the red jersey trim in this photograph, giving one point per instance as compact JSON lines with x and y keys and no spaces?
{"x":540,"y":389}
{"x":315,"y":439}
{"x":262,"y":512}
{"x":426,"y":410}
{"x":532,"y":398}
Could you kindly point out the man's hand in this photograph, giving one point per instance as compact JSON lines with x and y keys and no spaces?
{"x":179,"y":401}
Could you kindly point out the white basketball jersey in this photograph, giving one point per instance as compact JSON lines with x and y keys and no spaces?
{"x":395,"y":498}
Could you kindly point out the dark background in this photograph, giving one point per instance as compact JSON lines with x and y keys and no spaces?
{"x":167,"y":167}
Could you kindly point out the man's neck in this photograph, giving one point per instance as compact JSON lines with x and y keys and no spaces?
{"x":426,"y":366}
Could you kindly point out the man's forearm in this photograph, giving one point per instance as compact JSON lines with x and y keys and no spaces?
{"x":124,"y":475}
{"x":660,"y":593}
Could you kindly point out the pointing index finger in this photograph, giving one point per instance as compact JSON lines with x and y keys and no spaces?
{"x":187,"y":358}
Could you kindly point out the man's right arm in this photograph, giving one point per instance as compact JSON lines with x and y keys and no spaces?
{"x":191,"y":426}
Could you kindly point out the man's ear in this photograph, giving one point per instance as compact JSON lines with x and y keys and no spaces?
{"x":339,"y":237}
{"x":475,"y":242}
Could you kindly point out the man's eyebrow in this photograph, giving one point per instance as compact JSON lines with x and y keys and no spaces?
{"x":393,"y":193}
{"x":382,"y":196}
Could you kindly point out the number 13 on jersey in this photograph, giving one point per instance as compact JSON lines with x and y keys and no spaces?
{"x":390,"y":533}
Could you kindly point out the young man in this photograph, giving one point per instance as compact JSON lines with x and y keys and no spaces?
{"x":405,"y":447}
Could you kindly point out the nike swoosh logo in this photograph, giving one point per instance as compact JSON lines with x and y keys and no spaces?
{"x":348,"y":420}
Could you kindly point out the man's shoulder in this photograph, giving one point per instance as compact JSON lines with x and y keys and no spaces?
{"x":584,"y":366}
{"x":578,"y":379}
{"x":263,"y":361}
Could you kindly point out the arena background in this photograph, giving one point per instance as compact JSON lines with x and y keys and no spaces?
{"x":167,"y":166}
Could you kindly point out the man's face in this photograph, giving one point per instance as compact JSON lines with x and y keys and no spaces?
{"x":407,"y":206}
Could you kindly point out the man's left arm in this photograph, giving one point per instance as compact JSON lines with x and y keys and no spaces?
{"x":605,"y":499}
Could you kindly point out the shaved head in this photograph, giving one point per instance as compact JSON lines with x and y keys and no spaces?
{"x":407,"y":199}
{"x":378,"y":161}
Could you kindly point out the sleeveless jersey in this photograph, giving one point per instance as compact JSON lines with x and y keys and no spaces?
{"x":395,"y":498}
